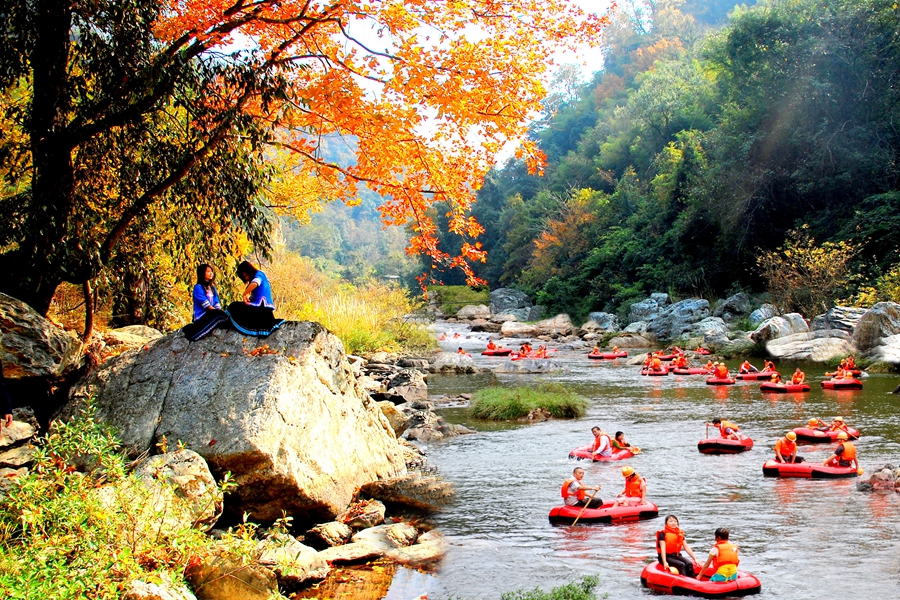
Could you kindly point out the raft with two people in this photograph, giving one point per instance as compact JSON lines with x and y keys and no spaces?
{"x":659,"y":579}
{"x":817,"y":436}
{"x":805,"y":470}
{"x":757,"y":376}
{"x":586,"y":453}
{"x":842,"y":384}
{"x":691,"y":371}
{"x":497,"y":352}
{"x":652,"y":373}
{"x":607,"y":513}
{"x":607,"y":355}
{"x":721,"y":381}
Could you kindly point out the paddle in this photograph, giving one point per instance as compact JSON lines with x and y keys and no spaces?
{"x":586,"y":504}
{"x":824,"y":424}
{"x":707,"y":431}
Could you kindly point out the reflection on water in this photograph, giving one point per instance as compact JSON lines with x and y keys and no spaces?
{"x":803,"y":539}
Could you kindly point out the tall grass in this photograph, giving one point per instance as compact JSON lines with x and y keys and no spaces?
{"x":503,"y":404}
{"x":367,"y":317}
{"x":583,"y":589}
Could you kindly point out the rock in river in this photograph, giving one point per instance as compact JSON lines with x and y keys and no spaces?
{"x":285,"y":415}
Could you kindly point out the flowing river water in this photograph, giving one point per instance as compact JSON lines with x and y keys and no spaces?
{"x":804,"y":539}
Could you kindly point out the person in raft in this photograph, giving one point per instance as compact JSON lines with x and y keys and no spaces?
{"x":6,"y":417}
{"x":461,"y":351}
{"x":619,"y":443}
{"x":208,"y":313}
{"x":710,"y":365}
{"x":727,"y":429}
{"x":724,"y":558}
{"x":746,"y":367}
{"x":669,"y":542}
{"x":798,"y":377}
{"x":776,"y":377}
{"x":615,"y":349}
{"x":786,"y":449}
{"x":720,"y":371}
{"x":656,"y":364}
{"x":844,"y":455}
{"x":635,"y":492}
{"x":768,"y":366}
{"x":573,"y":491}
{"x":595,"y":350}
{"x":680,"y":362}
{"x":255,"y":315}
{"x":602,"y":445}
{"x":491,"y":345}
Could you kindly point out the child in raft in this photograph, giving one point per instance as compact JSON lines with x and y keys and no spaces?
{"x":727,"y":429}
{"x":573,"y":491}
{"x":619,"y":443}
{"x":776,"y":377}
{"x":669,"y":542}
{"x":635,"y":492}
{"x":724,"y":558}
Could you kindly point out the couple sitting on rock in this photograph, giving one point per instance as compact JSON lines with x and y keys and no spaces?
{"x":255,"y":315}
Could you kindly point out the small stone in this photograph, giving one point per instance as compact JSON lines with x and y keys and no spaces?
{"x":224,"y":576}
{"x":292,"y":562}
{"x":328,"y":534}
{"x":350,"y":553}
{"x":363,"y":514}
{"x":388,"y":537}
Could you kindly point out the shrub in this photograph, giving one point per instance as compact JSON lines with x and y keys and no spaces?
{"x":454,"y":297}
{"x":582,"y":589}
{"x":502,"y":404}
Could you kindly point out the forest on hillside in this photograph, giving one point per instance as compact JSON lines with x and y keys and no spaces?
{"x":704,"y":144}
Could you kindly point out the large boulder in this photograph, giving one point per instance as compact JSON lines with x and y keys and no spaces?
{"x":778,"y":327}
{"x":843,"y":318}
{"x":678,"y":319}
{"x":561,"y":324}
{"x":645,"y":310}
{"x":514,"y":329}
{"x":507,"y":300}
{"x":733,"y":308}
{"x":531,"y":365}
{"x":183,"y":474}
{"x":629,"y":340}
{"x":293,"y":563}
{"x":710,"y":328}
{"x":888,"y":351}
{"x":451,"y":362}
{"x":880,"y":321}
{"x":603,"y":321}
{"x":284,"y":415}
{"x":817,"y":346}
{"x":224,"y":575}
{"x":474,"y":311}
{"x":764,"y":312}
{"x":32,"y":346}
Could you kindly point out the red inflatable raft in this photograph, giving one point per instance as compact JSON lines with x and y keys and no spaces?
{"x":720,"y":445}
{"x":759,"y":376}
{"x":783,"y":388}
{"x":585,"y":453}
{"x":806,"y":470}
{"x":605,"y":514}
{"x":608,"y":355}
{"x":666,"y":356}
{"x":497,"y":352}
{"x":805,"y":434}
{"x":654,"y":373}
{"x":718,"y":381}
{"x":658,"y":579}
{"x":690,"y":371}
{"x":842,"y":384}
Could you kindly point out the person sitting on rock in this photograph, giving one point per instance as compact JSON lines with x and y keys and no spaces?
{"x":255,"y":315}
{"x":727,"y":429}
{"x":635,"y":491}
{"x":208,"y":313}
{"x":844,"y":454}
{"x":786,"y":449}
{"x":746,"y":367}
{"x":573,"y":491}
{"x":491,"y":345}
{"x":6,"y":417}
{"x":768,"y":366}
{"x":669,"y":542}
{"x":724,"y":558}
{"x":619,"y":443}
{"x":798,"y":377}
{"x":602,"y":445}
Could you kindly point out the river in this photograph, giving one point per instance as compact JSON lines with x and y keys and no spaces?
{"x":804,"y":539}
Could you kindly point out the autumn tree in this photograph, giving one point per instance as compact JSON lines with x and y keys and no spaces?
{"x":122,"y":112}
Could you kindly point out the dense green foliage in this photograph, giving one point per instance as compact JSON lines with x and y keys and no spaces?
{"x":453,"y":297}
{"x":696,"y":150}
{"x":583,"y":589}
{"x":503,"y":404}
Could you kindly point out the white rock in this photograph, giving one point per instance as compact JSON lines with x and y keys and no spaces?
{"x":292,"y":562}
{"x":387,"y":537}
{"x":474,"y":311}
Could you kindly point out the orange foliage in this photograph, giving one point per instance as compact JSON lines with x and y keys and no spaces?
{"x":430,"y":90}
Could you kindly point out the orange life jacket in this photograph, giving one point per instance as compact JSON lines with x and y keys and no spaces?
{"x":849,"y":451}
{"x":726,"y":424}
{"x":674,"y":540}
{"x":681,"y":361}
{"x":786,"y":447}
{"x":656,"y":364}
{"x":745,"y":366}
{"x":851,"y":364}
{"x":491,"y":346}
{"x":728,"y":555}
{"x":848,"y":374}
{"x":565,"y":489}
{"x":597,"y":442}
{"x":460,"y":351}
{"x":633,"y":485}
{"x":798,"y":377}
{"x":722,"y":372}
{"x":770,"y":366}
{"x":709,"y":365}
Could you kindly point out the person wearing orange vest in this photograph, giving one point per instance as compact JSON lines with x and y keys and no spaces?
{"x":491,"y":345}
{"x":595,"y":350}
{"x":656,"y":364}
{"x":724,"y":558}
{"x":573,"y":491}
{"x":848,"y":374}
{"x":721,"y":371}
{"x":837,"y":424}
{"x":786,"y":449}
{"x":602,"y":443}
{"x":768,"y":366}
{"x":844,"y":455}
{"x":635,"y":491}
{"x":746,"y":367}
{"x":851,"y":363}
{"x":669,"y":542}
{"x":461,"y":351}
{"x":619,"y":443}
{"x":776,"y":377}
{"x":680,"y":361}
{"x":648,"y":360}
{"x":615,"y":349}
{"x":727,"y":429}
{"x":710,"y":365}
{"x":798,"y":377}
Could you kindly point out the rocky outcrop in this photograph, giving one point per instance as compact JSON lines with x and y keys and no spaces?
{"x":817,"y":346}
{"x":733,"y":308}
{"x":424,"y":493}
{"x":711,"y":329}
{"x":887,"y":478}
{"x":424,"y":425}
{"x":507,"y":301}
{"x":284,"y":415}
{"x":185,"y":475}
{"x":764,"y":312}
{"x":843,"y":318}
{"x":473,"y":311}
{"x":561,"y":324}
{"x":514,"y":329}
{"x":880,"y":321}
{"x":16,"y":450}
{"x":223,"y":575}
{"x":678,"y":319}
{"x":602,"y":321}
{"x":32,"y":346}
{"x":450,"y":362}
{"x":778,"y":327}
{"x":326,"y":535}
{"x":531,"y":365}
{"x":647,"y":309}
{"x":629,"y":340}
{"x":888,"y":351}
{"x":140,"y":590}
{"x":397,"y":385}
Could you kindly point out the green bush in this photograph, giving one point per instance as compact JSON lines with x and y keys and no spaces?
{"x":582,"y":589}
{"x":503,"y":404}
